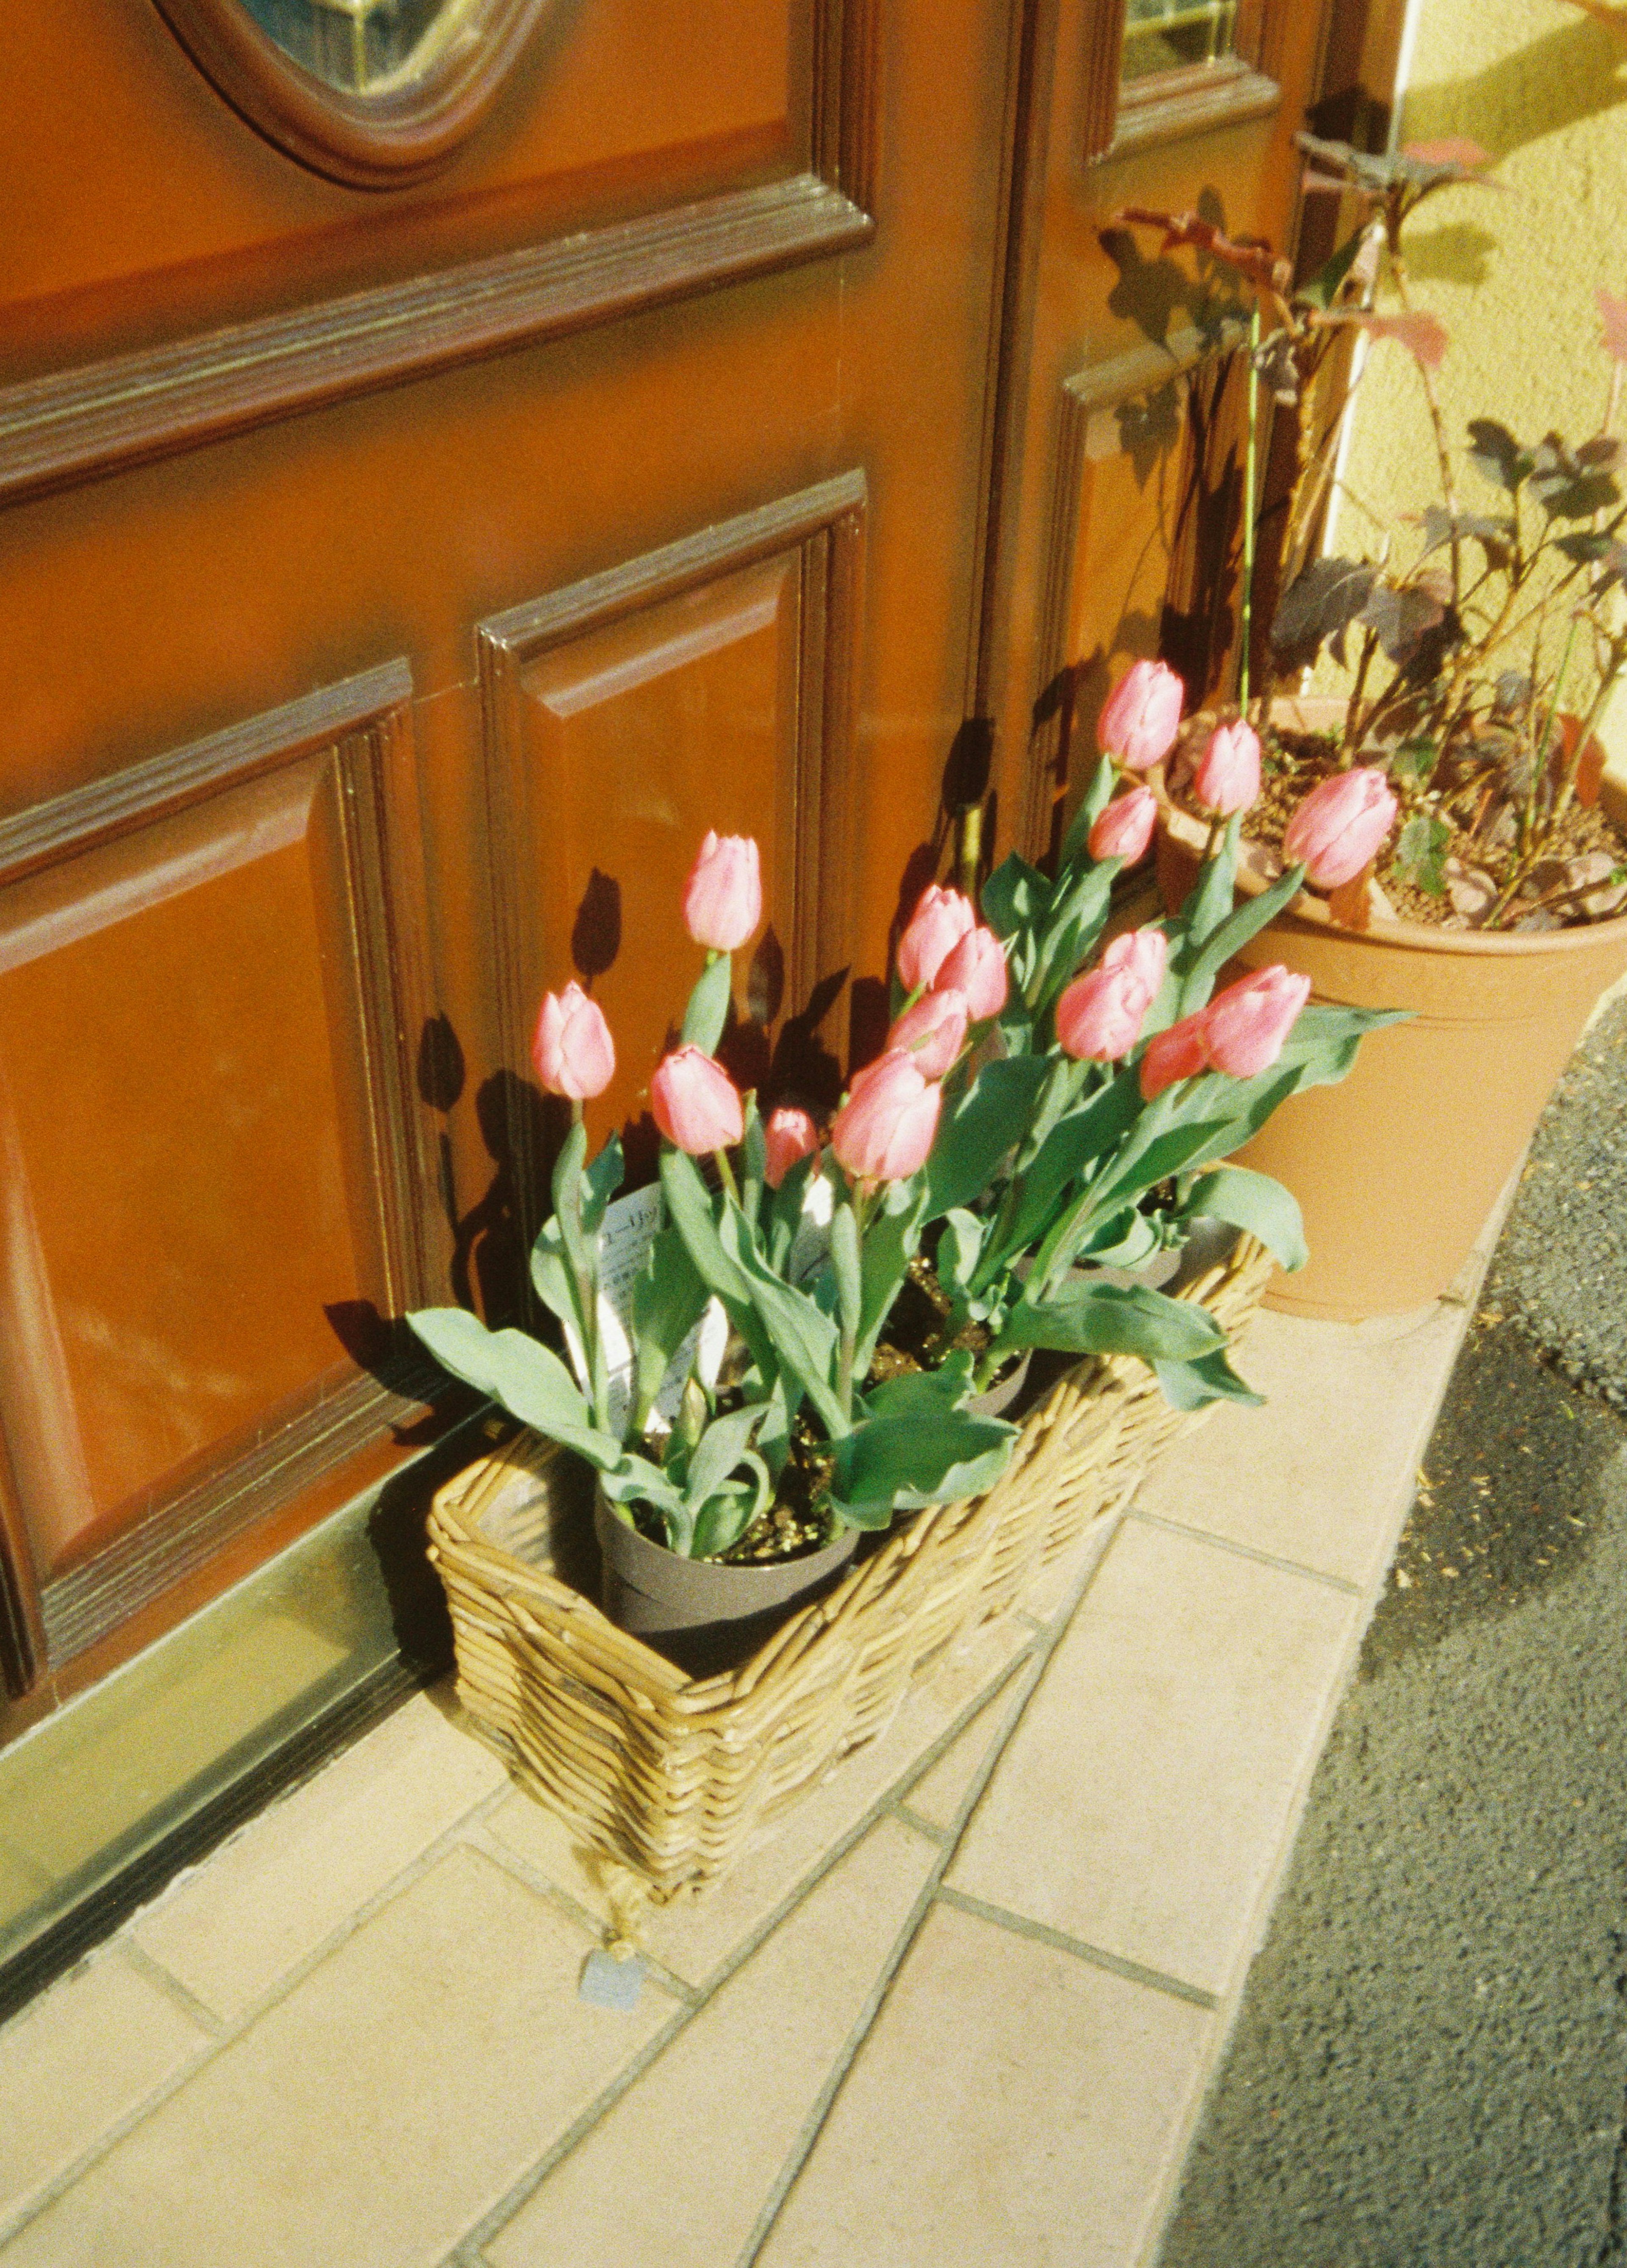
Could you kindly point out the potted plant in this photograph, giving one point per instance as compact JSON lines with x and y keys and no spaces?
{"x":1465,"y":859}
{"x":736,"y":1467}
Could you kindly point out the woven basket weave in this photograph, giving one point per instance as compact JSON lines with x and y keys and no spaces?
{"x":670,"y":1776}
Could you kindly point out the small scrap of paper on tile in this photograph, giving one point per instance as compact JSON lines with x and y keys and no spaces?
{"x":610,"y":1982}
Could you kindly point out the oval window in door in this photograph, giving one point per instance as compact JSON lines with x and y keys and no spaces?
{"x":375,"y":92}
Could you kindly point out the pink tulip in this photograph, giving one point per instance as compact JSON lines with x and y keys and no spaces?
{"x":1141,"y":716}
{"x":1341,"y":826}
{"x":977,"y":967}
{"x":1144,"y":953}
{"x":573,"y":1052}
{"x":1098,"y":1018}
{"x":696,"y":1104}
{"x":1123,"y":828}
{"x":1245,"y":1026}
{"x":788,"y":1134}
{"x":1228,"y":771}
{"x":722,"y":898}
{"x":1178,"y":1053}
{"x":884,"y":1130}
{"x":941,"y":920}
{"x":933,"y":1032}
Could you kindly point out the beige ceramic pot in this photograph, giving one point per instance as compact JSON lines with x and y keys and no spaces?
{"x":1397,"y":1167}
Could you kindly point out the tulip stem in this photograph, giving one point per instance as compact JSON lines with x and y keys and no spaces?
{"x":587,"y":1297}
{"x":1246,"y":628}
{"x":727,"y":1172}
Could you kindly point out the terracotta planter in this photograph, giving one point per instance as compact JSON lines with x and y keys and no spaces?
{"x":703,"y":1609}
{"x":1397,"y":1168}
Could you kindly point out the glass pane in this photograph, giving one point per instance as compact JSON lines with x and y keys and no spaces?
{"x":365,"y":47}
{"x":1162,"y":35}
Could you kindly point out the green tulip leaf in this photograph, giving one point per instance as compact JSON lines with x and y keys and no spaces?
{"x":1210,"y":1378}
{"x":1131,"y":1319}
{"x":708,"y":1011}
{"x":977,"y":1128}
{"x":890,"y":1463}
{"x":1254,"y":1201}
{"x":527,"y":1378}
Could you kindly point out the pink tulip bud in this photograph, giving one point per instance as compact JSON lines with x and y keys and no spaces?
{"x":1144,"y":953}
{"x":1098,"y":1018}
{"x":977,"y":967}
{"x":932,"y":1033}
{"x":696,"y":1104}
{"x":1141,"y":716}
{"x":1341,"y":826}
{"x":941,"y":920}
{"x":1245,"y":1026}
{"x":1178,"y":1053}
{"x":573,"y":1052}
{"x":1228,"y":771}
{"x":884,"y":1130}
{"x":722,"y":898}
{"x":1123,"y":828}
{"x":787,"y":1135}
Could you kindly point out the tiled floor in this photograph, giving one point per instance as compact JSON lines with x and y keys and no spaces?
{"x":961,"y":2009}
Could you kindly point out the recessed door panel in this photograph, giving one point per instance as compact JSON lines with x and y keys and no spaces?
{"x":177,"y":1215}
{"x":640,"y":735}
{"x":707,"y":685}
{"x":207,"y":1166}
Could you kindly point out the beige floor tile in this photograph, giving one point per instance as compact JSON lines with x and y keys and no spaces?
{"x":74,"y":2062}
{"x":1013,"y":2108}
{"x":1324,"y":1474}
{"x":1143,"y":1803}
{"x":679,"y":2170}
{"x":232,"y":1928}
{"x":372,"y":2115}
{"x":694,"y":1937}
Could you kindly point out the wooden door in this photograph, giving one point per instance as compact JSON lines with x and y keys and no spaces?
{"x":450,"y":456}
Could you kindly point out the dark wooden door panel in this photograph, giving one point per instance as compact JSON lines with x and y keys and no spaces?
{"x":209,"y":977}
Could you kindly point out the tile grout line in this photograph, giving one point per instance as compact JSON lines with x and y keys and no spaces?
{"x":1117,"y":1964}
{"x":138,"y":1957}
{"x":1341,"y":1583}
{"x":228,"y":2032}
{"x":803,"y":2148}
{"x":497,"y":2216}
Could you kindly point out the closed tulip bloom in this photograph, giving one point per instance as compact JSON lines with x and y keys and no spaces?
{"x":884,"y":1131}
{"x":1098,"y":1018}
{"x":1123,"y":828}
{"x":1341,"y":826}
{"x":722,"y":898}
{"x":1143,"y":952}
{"x":573,"y":1052}
{"x":696,"y":1104}
{"x":977,"y":967}
{"x":1245,"y":1026}
{"x":1142,"y":716}
{"x":941,"y":920}
{"x":933,"y":1032}
{"x":788,"y":1134}
{"x":1178,"y":1053}
{"x":1228,"y":771}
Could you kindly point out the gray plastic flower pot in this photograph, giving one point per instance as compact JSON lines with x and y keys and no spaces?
{"x":704,"y":1611}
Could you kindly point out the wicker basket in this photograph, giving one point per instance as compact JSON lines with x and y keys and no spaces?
{"x":671,"y":1776}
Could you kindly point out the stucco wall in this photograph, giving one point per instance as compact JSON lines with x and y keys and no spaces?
{"x":1511,"y":272}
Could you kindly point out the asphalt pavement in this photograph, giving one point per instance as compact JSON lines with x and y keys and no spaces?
{"x":1430,"y":2067}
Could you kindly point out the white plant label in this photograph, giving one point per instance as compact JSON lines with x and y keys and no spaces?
{"x":629,"y":1227}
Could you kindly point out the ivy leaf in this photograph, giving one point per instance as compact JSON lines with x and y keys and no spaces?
{"x":1421,"y":853}
{"x":1317,"y":609}
{"x":1496,"y":455}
